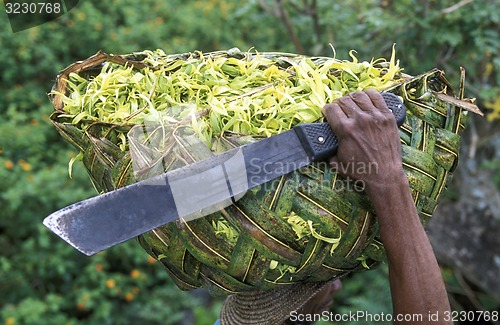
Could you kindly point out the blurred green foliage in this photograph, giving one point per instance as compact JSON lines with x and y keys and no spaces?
{"x":45,"y":281}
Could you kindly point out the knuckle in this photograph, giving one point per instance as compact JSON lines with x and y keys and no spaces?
{"x":343,"y":100}
{"x":347,"y":127}
{"x":386,"y":118}
{"x":326,"y":110}
{"x":365,"y":118}
{"x":373,"y":93}
{"x":357,"y":95}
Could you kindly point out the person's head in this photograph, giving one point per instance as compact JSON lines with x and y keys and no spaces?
{"x":317,"y":304}
{"x":279,"y":306}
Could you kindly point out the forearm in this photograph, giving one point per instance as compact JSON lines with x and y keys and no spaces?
{"x":416,"y":283}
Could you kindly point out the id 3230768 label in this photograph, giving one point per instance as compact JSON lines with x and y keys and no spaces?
{"x":471,"y":316}
{"x":25,"y":14}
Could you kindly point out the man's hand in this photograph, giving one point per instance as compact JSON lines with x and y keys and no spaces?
{"x":369,"y":148}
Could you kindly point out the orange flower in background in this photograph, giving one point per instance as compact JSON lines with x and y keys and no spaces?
{"x":80,"y":306}
{"x":26,"y":166}
{"x":151,"y":260}
{"x":9,"y":164}
{"x":99,"y":267}
{"x":10,"y":321}
{"x":129,"y":296}
{"x":135,"y":273}
{"x":81,"y":16}
{"x":110,"y":283}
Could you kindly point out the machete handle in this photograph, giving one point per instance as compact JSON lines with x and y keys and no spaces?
{"x":319,"y":141}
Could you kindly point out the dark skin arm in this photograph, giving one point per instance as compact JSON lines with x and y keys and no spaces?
{"x":368,"y":134}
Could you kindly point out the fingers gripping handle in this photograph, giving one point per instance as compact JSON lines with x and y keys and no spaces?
{"x":320,"y":142}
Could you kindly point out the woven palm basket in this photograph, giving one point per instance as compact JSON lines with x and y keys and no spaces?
{"x":262,"y":249}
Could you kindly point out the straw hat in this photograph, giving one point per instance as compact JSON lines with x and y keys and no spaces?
{"x":275,"y":306}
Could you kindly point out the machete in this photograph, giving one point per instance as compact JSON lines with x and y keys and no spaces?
{"x":197,"y":189}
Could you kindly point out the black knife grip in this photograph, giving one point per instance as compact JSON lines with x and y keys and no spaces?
{"x":396,"y":106}
{"x":319,"y":141}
